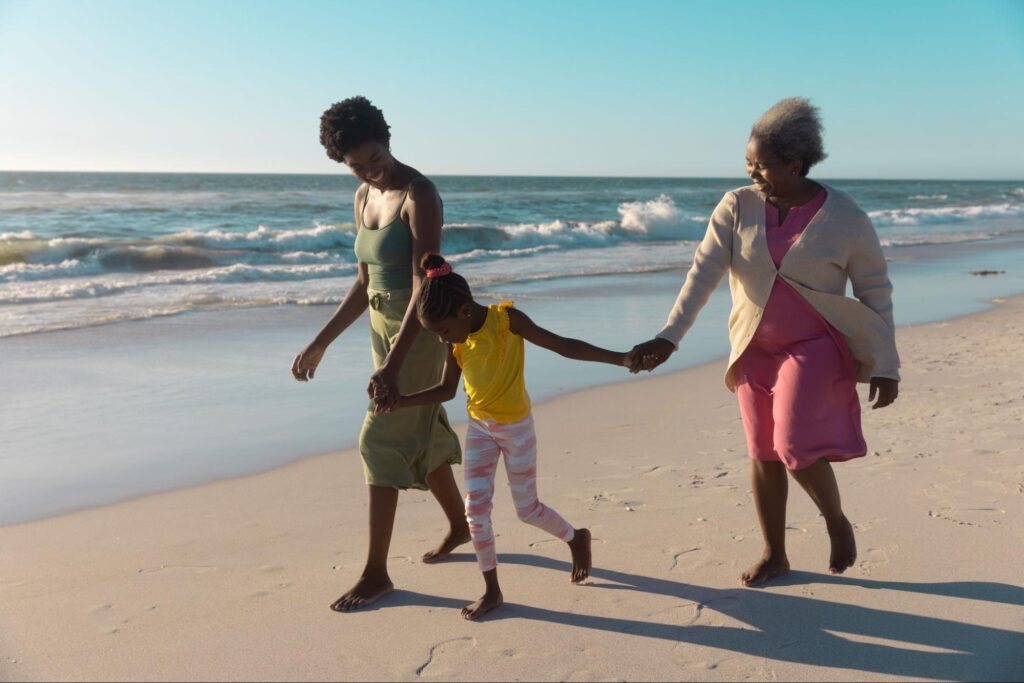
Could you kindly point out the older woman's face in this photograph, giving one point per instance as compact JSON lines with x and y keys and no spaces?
{"x":772,"y":176}
{"x":371,"y":162}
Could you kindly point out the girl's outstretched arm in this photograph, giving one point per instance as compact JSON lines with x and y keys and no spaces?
{"x":519,"y":323}
{"x":439,"y":393}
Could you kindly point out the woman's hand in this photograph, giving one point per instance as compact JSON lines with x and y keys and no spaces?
{"x":650,"y":354}
{"x":304,"y":365}
{"x":383,"y":389}
{"x":886,"y":389}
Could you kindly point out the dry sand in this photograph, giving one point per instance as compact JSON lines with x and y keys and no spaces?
{"x":233,"y":580}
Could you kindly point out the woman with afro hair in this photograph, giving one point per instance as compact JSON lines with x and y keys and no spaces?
{"x":398,"y":217}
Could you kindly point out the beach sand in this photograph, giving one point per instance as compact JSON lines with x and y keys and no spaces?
{"x":232,"y":580}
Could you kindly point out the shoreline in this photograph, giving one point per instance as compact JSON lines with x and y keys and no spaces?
{"x":232,"y":580}
{"x":350,"y":449}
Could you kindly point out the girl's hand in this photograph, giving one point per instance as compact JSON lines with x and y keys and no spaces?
{"x":381,"y":406}
{"x":886,"y":389}
{"x":383,"y":389}
{"x":304,"y":365}
{"x":650,"y":354}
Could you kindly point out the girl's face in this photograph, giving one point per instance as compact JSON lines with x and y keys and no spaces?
{"x":772,"y":176}
{"x":453,"y":329}
{"x":371,"y":162}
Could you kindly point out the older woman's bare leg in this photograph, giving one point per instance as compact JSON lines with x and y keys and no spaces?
{"x":771,"y":488}
{"x":819,"y":480}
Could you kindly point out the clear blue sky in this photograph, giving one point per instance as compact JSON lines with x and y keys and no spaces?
{"x":908,"y":89}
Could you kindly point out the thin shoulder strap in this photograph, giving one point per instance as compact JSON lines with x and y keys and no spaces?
{"x":362,"y":211}
{"x":406,"y":194}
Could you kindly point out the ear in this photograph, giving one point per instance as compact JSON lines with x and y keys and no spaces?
{"x":465,"y":311}
{"x":795,"y":168}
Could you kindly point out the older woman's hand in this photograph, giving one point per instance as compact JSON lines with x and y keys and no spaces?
{"x":650,"y":354}
{"x":886,"y":389}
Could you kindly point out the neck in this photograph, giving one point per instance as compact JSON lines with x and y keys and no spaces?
{"x":477,"y":317}
{"x":399,"y":177}
{"x":802,"y":191}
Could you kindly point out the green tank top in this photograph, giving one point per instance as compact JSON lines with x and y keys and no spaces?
{"x":386,"y":251}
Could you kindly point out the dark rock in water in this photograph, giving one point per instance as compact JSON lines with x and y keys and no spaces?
{"x":988,"y":272}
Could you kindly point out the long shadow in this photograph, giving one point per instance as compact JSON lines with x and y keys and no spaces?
{"x":796,"y":628}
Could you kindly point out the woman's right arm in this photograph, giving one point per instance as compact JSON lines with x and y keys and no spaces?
{"x":710,"y":263}
{"x":351,"y":307}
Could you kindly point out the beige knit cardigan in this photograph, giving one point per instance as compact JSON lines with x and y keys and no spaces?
{"x":839,"y":244}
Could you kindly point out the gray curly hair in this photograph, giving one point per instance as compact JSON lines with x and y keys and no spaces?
{"x":792,"y":128}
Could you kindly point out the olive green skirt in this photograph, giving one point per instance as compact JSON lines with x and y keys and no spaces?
{"x":400,"y":448}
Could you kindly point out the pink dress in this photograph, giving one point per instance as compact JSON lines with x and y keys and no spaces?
{"x":797,"y":381}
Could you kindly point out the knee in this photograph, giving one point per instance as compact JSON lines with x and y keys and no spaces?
{"x":478,"y":513}
{"x":530,"y":513}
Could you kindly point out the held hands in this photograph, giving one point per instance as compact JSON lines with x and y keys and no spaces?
{"x":383,"y":391}
{"x":886,"y":389}
{"x":649,"y":355}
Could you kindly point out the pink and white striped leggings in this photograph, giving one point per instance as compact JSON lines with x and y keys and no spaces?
{"x":486,"y":441}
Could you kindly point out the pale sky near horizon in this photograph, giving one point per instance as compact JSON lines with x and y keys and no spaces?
{"x":643,"y":88}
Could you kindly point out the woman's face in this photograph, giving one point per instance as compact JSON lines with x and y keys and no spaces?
{"x":772,"y":176}
{"x":453,"y":329}
{"x":371,"y":162}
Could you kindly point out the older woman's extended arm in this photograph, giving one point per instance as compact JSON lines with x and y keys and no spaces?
{"x":710,"y":263}
{"x":869,"y":276}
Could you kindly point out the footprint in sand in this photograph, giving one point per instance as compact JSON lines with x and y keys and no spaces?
{"x":872,"y":558}
{"x":977,"y":516}
{"x":112,"y":620}
{"x":177,"y":569}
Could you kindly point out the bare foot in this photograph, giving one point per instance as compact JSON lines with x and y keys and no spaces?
{"x":844,"y":546}
{"x":766,"y":568}
{"x":456,"y":537}
{"x":368,"y":589}
{"x":491,"y":601}
{"x":581,"y":560}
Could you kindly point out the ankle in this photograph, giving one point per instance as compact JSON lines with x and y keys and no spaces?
{"x":837,"y":524}
{"x":375,"y":571}
{"x":770,"y":554}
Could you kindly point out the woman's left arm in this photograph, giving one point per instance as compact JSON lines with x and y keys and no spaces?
{"x":425,"y":216}
{"x":869,"y":275}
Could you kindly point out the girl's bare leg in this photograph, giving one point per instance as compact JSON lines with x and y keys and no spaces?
{"x":491,"y":600}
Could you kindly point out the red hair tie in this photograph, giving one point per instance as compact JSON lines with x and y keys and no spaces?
{"x":440,"y":271}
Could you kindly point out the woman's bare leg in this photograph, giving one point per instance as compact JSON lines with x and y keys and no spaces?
{"x":771,"y":488}
{"x":375,"y":581}
{"x":442,"y":484}
{"x":819,"y":480}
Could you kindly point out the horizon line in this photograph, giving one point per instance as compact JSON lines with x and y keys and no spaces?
{"x":510,"y":175}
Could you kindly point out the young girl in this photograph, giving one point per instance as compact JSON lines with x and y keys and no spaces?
{"x":486,"y":343}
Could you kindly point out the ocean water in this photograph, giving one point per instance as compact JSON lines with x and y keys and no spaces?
{"x":85,"y":249}
{"x":148,"y":322}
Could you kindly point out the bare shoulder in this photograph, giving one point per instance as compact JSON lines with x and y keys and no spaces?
{"x":422,"y":190}
{"x":518,"y":321}
{"x":361,"y":192}
{"x":359,"y":201}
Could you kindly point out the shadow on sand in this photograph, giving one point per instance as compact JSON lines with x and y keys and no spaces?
{"x":803,"y":630}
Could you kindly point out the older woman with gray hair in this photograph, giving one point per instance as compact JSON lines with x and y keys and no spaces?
{"x":798,"y":344}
